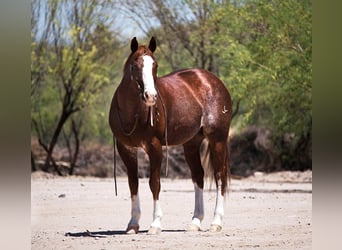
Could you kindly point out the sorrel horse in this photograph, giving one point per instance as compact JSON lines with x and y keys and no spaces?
{"x":185,"y":107}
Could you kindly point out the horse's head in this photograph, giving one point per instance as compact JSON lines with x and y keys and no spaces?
{"x":143,"y":69}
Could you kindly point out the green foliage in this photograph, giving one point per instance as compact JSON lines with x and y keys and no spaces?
{"x":262,"y":50}
{"x":280,"y":43}
{"x":72,"y":68}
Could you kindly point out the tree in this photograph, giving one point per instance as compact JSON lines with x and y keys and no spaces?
{"x":68,"y":65}
{"x":178,"y":24}
{"x":267,"y":61}
{"x":279,"y":41}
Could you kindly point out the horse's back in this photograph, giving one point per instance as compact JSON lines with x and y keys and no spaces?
{"x":200,"y":81}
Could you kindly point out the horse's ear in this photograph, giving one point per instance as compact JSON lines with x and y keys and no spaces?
{"x":153,"y":45}
{"x":134,"y":44}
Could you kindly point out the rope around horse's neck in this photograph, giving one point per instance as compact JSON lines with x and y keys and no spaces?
{"x":166,"y":141}
{"x":132,"y":131}
{"x":120,"y":124}
{"x":116,"y":187}
{"x":126,"y":134}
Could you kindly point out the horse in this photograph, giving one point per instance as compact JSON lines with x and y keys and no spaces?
{"x":186,"y":107}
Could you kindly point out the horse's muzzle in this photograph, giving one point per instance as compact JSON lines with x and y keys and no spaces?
{"x":150,"y":98}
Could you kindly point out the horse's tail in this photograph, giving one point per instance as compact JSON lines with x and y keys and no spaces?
{"x":208,"y":167}
{"x":207,"y":161}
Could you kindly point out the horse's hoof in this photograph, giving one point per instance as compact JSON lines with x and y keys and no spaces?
{"x":154,"y":231}
{"x":132,"y":229}
{"x":193,"y":228}
{"x":215,"y":228}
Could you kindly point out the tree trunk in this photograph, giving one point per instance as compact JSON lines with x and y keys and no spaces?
{"x":54,"y":140}
{"x":75,"y":131}
{"x":33,"y":164}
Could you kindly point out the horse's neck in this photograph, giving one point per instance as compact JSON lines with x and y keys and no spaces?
{"x":128,"y":100}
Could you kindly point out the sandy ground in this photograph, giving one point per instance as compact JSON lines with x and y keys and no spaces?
{"x":264,"y":212}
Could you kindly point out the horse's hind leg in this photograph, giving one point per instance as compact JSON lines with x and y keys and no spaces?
{"x":129,"y":157}
{"x":220,"y":163}
{"x":192,"y":156}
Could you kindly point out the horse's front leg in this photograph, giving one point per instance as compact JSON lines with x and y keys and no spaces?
{"x":129,"y":157}
{"x":154,"y":151}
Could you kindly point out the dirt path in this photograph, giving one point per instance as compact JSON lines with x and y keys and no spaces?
{"x":264,"y":212}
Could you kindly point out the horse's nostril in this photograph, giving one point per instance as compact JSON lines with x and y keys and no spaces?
{"x":145,"y":95}
{"x":150,"y":97}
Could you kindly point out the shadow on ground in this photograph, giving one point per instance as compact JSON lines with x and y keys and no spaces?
{"x":104,"y":234}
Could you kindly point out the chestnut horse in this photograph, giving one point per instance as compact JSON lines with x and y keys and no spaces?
{"x":185,"y":107}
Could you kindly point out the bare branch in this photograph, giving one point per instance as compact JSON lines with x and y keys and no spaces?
{"x":236,"y":110}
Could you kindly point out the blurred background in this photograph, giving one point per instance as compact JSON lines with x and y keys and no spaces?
{"x":261,"y":49}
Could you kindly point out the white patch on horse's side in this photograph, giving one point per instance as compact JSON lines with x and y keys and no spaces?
{"x":148,"y":76}
{"x":135,"y":212}
{"x":201,"y":125}
{"x":211,"y":118}
{"x":219,"y":208}
{"x":157,"y":214}
{"x":224,"y":110}
{"x":199,"y":206}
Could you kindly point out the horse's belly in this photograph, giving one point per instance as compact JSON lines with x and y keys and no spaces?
{"x":183,"y":131}
{"x":184,"y":119}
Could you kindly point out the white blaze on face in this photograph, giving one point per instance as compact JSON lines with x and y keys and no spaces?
{"x":148,"y":80}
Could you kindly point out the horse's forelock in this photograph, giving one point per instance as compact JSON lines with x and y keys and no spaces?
{"x":141,"y":51}
{"x":144,"y":50}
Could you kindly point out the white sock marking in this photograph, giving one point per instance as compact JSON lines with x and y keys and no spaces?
{"x":199,"y":206}
{"x":135,"y":212}
{"x":219,"y":208}
{"x":157,"y":214}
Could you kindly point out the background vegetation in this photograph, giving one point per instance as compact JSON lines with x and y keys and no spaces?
{"x":261,"y":49}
